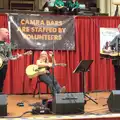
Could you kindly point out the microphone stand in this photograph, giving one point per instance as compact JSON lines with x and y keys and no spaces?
{"x":53,"y":68}
{"x":53,"y":64}
{"x":118,"y":46}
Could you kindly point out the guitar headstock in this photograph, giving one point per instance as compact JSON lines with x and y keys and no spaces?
{"x":28,"y":53}
{"x":63,"y":64}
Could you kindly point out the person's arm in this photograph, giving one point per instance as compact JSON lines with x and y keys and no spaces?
{"x":40,"y":64}
{"x":76,"y":4}
{"x":61,"y":7}
{"x":69,"y":4}
{"x":109,"y":50}
{"x":58,"y":5}
{"x":12,"y":57}
{"x":113,"y":42}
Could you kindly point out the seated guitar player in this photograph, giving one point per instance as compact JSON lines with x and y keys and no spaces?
{"x":47,"y":77}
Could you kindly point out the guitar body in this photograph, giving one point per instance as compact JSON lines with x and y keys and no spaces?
{"x":2,"y":58}
{"x":33,"y":71}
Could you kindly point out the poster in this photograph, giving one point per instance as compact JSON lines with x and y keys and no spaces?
{"x":106,"y":37}
{"x":42,"y":32}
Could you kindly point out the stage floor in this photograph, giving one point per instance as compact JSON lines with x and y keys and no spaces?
{"x":92,"y":110}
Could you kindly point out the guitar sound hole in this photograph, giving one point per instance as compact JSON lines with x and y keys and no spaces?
{"x":36,"y":70}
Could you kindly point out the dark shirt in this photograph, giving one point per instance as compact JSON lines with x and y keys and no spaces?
{"x":116,"y":42}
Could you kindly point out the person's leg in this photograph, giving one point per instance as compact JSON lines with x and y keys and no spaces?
{"x":70,"y":11}
{"x":117,"y":76}
{"x":76,"y":10}
{"x":56,"y":10}
{"x":62,"y":10}
{"x":46,"y":79}
{"x":3,"y":72}
{"x":51,"y":8}
{"x":55,"y":83}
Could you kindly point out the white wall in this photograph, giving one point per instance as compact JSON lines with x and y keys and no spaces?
{"x":114,"y":6}
{"x":107,"y":6}
{"x":1,"y":4}
{"x":41,"y":3}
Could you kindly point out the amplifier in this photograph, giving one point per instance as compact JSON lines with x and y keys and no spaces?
{"x":3,"y":105}
{"x":68,"y":103}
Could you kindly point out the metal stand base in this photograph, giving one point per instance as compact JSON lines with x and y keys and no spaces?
{"x":85,"y":95}
{"x":90,"y":98}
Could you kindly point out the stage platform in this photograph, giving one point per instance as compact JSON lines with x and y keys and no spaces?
{"x":92,"y":110}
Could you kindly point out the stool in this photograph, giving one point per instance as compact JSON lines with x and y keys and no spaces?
{"x":38,"y":85}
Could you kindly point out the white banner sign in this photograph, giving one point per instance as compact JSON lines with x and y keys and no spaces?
{"x":106,"y":36}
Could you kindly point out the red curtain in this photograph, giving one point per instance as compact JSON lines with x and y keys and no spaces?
{"x":87,"y":38}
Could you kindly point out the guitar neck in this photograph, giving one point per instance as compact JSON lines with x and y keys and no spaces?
{"x":23,"y":54}
{"x":26,"y":53}
{"x":57,"y":64}
{"x":60,"y":64}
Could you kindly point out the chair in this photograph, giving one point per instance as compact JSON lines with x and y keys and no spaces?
{"x":39,"y":89}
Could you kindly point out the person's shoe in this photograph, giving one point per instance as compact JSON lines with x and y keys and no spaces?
{"x":63,"y":89}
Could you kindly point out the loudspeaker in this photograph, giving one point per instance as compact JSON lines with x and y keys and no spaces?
{"x":113,"y":101}
{"x":68,"y":103}
{"x":3,"y":105}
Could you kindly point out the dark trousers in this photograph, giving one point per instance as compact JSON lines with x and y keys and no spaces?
{"x":3,"y":72}
{"x":75,"y":11}
{"x":60,"y":11}
{"x":48,"y":79}
{"x":117,"y":76}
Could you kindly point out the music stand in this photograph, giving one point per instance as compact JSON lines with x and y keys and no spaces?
{"x":83,"y":67}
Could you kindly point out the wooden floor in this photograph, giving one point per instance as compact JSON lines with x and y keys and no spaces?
{"x":90,"y":107}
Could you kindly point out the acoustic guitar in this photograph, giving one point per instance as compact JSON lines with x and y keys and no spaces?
{"x":4,"y":59}
{"x":34,"y":70}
